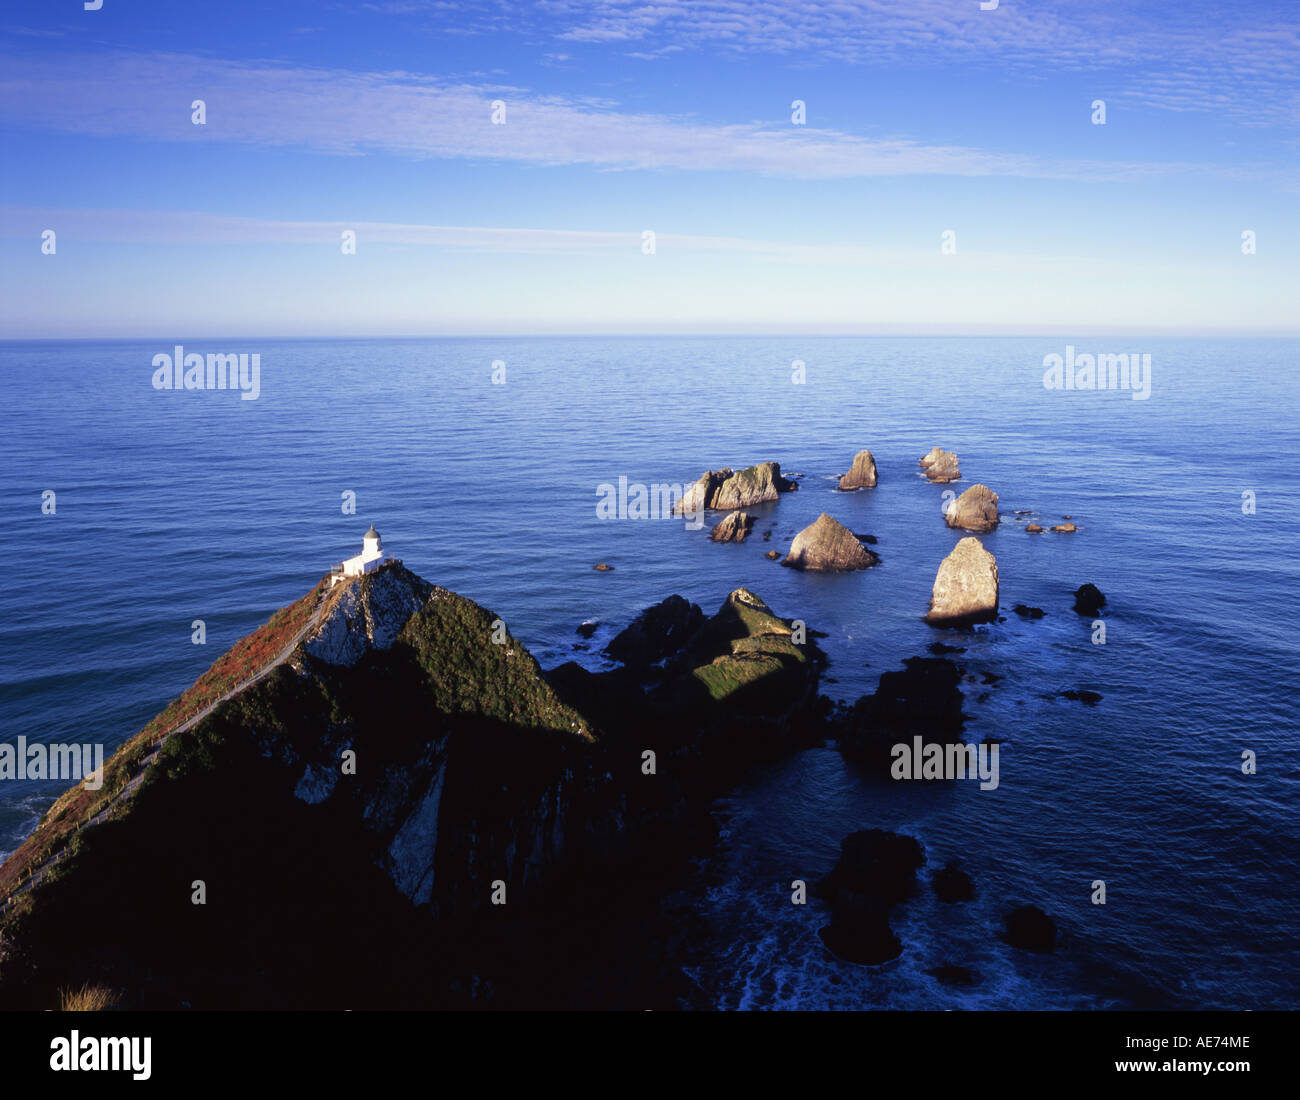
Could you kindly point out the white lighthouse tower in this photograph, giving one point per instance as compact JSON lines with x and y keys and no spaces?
{"x":372,"y":556}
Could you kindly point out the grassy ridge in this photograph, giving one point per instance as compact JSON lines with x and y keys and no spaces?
{"x":76,"y":806}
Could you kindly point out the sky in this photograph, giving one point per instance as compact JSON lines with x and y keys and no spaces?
{"x":606,"y":166}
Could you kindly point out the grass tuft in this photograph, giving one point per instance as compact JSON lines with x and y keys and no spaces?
{"x":89,"y":998}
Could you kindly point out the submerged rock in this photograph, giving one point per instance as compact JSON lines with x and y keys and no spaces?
{"x":1088,"y":698}
{"x":940,"y":465}
{"x":828,"y":546}
{"x":1088,"y":600}
{"x":1030,"y":928}
{"x":1026,"y":612}
{"x":953,"y":975}
{"x":735,"y":527}
{"x":975,"y":510}
{"x":862,"y":474}
{"x":952,"y":884}
{"x":966,"y":587}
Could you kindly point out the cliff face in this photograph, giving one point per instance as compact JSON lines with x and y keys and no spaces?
{"x":388,"y":811}
{"x":468,"y":769}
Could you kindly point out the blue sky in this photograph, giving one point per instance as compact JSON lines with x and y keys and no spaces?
{"x":922,"y":116}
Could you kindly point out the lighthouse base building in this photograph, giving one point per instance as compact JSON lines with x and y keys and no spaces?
{"x":372,"y":556}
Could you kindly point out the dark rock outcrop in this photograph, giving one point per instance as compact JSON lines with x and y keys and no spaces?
{"x":1026,"y":612}
{"x":741,"y":688}
{"x":922,"y":699}
{"x":734,"y":527}
{"x":862,"y":473}
{"x":1030,"y":928}
{"x":975,"y":510}
{"x":965,"y":587}
{"x":657,"y":632}
{"x":875,"y":871}
{"x":1088,"y":600}
{"x":952,"y":884}
{"x":940,"y":465}
{"x":828,"y":546}
{"x":746,"y":657}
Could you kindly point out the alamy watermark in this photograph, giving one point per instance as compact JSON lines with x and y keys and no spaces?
{"x":70,"y":763}
{"x":636,"y":500}
{"x":124,"y":1054}
{"x":1107,"y":371}
{"x":939,"y":761}
{"x":180,"y":371}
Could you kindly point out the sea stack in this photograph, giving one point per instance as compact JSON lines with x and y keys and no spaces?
{"x":734,"y":527}
{"x":727,"y":490}
{"x":940,"y":465}
{"x":966,"y":587}
{"x":975,"y":510}
{"x":862,"y":474}
{"x":828,"y":546}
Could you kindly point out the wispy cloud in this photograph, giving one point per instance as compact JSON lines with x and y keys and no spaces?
{"x":200,"y":228}
{"x":344,"y":112}
{"x":1235,"y":59}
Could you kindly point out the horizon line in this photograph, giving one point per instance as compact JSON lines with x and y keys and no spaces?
{"x":953,"y":332}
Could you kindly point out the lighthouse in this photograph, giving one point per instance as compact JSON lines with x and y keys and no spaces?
{"x":372,"y":556}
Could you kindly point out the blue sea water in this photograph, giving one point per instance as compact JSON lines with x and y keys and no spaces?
{"x":172,"y":507}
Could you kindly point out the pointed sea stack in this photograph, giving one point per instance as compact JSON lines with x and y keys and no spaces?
{"x":862,"y":474}
{"x":827,"y":546}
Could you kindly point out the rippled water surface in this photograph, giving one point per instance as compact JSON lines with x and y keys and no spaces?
{"x":173,"y":507}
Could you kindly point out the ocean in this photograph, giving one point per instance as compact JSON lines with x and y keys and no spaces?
{"x":171,"y":507}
